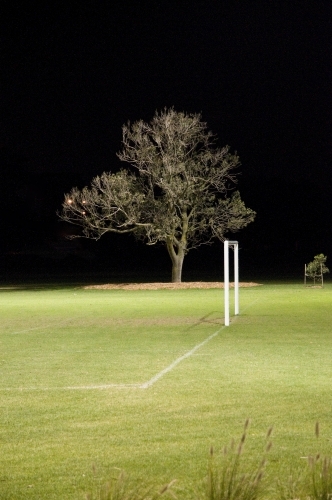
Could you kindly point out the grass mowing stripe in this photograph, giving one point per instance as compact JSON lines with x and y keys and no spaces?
{"x":65,"y":322}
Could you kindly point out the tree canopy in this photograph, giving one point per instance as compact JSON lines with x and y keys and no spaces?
{"x":178,"y":188}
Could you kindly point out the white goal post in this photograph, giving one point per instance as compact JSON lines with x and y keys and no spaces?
{"x":235,"y":246}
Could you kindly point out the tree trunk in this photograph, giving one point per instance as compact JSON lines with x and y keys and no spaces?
{"x":177,"y":261}
{"x":177,"y":269}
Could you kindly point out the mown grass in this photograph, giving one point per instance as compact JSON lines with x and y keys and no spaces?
{"x":272,"y":365}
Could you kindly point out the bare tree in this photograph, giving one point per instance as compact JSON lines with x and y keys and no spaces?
{"x":175,"y":190}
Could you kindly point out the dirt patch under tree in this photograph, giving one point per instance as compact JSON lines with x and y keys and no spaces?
{"x":159,"y":286}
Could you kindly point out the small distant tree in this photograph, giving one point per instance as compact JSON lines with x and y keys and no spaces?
{"x":175,"y":190}
{"x":317,"y":268}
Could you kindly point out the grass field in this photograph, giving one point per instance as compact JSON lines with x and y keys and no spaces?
{"x":147,"y":381}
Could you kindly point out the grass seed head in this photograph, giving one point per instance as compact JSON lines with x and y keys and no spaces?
{"x":166,"y":487}
{"x":269,"y":446}
{"x":269,"y":432}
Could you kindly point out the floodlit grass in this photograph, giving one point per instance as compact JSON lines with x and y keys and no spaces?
{"x":74,"y":363}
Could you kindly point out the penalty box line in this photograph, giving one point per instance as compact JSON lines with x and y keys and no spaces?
{"x":145,"y":385}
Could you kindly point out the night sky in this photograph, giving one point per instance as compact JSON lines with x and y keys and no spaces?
{"x":260,"y":72}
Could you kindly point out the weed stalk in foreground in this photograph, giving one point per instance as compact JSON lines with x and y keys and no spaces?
{"x":321,"y":474}
{"x":228,"y":482}
{"x":315,"y":484}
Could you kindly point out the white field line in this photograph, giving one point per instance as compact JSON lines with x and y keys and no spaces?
{"x":170,"y":367}
{"x":71,"y":388}
{"x":145,"y":385}
{"x":50,"y":325}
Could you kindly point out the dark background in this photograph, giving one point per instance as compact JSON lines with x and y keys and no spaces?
{"x":260,"y":73}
